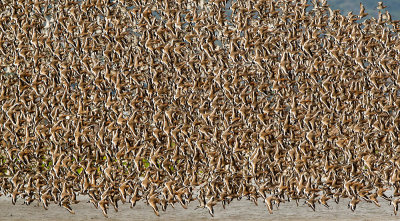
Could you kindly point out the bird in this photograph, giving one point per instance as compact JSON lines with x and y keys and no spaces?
{"x":395,"y":204}
{"x":323,"y":200}
{"x":171,"y":102}
{"x":381,"y":193}
{"x":311,"y":202}
{"x":381,"y":6}
{"x":103,"y":205}
{"x":269,"y":201}
{"x":15,"y":193}
{"x":362,"y":13}
{"x":373,"y":198}
{"x":353,"y":203}
{"x":153,"y":201}
{"x":210,"y":205}
{"x":67,"y":206}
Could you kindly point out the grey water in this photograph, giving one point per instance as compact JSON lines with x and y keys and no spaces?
{"x":236,"y":210}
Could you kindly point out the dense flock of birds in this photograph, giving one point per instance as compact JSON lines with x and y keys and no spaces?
{"x":170,"y":102}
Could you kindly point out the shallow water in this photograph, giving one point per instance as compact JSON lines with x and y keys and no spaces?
{"x":237,"y":210}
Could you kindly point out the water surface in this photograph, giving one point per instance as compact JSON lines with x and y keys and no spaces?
{"x":237,"y":210}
